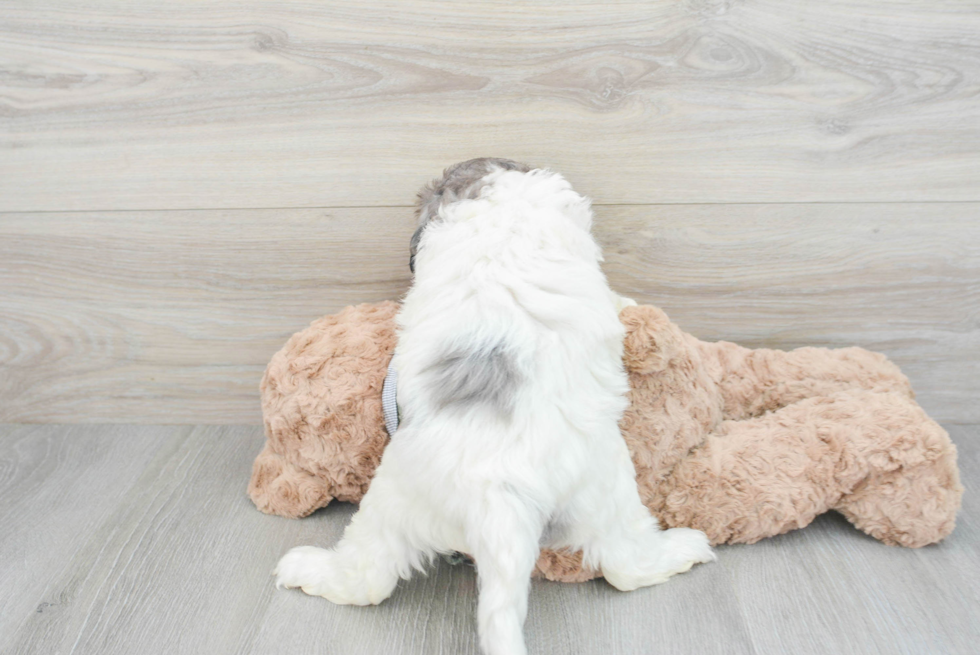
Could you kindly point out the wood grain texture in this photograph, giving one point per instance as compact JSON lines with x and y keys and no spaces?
{"x":55,"y":485}
{"x":356,"y":102}
{"x":149,"y":544}
{"x":899,"y":279}
{"x":171,"y":316}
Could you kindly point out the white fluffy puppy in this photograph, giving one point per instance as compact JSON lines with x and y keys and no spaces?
{"x":511,"y":386}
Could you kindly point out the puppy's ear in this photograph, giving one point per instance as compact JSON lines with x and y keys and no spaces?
{"x":426,"y":207}
{"x":651,"y":339}
{"x":413,"y":247}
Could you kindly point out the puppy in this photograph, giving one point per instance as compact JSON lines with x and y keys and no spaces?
{"x":510,"y":387}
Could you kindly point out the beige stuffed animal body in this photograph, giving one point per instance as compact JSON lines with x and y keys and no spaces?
{"x":742,"y":444}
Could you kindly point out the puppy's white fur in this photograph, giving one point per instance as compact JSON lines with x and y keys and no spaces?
{"x":533,"y":458}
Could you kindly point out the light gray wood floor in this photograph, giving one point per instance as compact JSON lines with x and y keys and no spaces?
{"x":140,"y":539}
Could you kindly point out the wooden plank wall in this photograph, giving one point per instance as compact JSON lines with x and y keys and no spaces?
{"x":183,"y":185}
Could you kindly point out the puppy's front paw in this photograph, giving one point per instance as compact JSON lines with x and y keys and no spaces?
{"x":304,"y":566}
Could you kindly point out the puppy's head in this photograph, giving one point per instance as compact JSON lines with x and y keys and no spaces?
{"x":462,"y":181}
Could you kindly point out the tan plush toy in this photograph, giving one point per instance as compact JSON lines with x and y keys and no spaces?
{"x":742,"y":444}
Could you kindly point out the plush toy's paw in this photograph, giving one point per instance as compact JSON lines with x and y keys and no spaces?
{"x":325,"y":573}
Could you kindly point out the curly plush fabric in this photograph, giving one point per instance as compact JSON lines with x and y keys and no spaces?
{"x":321,"y":404}
{"x":742,"y":444}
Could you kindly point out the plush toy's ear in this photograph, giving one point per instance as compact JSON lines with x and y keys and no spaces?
{"x":651,"y":339}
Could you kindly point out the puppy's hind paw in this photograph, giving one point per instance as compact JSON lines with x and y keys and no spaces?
{"x":339,"y":578}
{"x":683,"y":549}
{"x":304,"y":567}
{"x":670,"y":552}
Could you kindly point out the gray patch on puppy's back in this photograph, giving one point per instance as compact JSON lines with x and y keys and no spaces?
{"x":481,"y":376}
{"x":462,"y":181}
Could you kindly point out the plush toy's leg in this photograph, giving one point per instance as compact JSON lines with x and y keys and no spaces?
{"x":278,"y":487}
{"x":912,"y":507}
{"x":875,"y":456}
{"x":618,"y":535}
{"x":752,"y":479}
{"x":752,"y":382}
{"x":377,"y":549}
{"x":912,"y":491}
